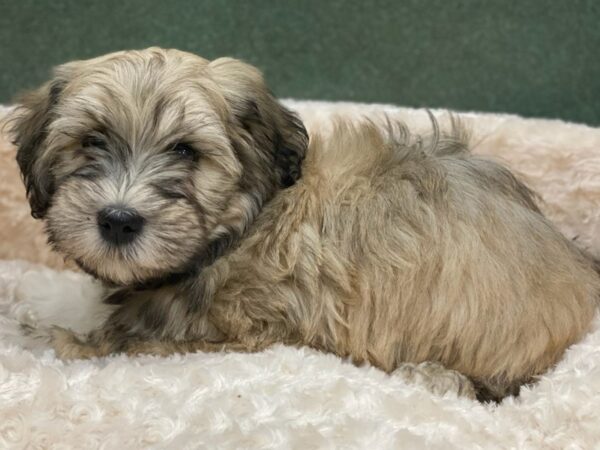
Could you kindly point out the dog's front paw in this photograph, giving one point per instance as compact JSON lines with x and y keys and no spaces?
{"x":48,"y":298}
{"x":69,"y":345}
{"x":41,"y":337}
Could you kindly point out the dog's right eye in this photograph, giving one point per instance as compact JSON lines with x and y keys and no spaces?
{"x":184,"y":151}
{"x":93,"y":141}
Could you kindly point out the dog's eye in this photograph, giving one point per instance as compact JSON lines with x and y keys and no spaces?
{"x":93,"y":141}
{"x":184,"y":151}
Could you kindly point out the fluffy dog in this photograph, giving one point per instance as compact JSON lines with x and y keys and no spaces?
{"x":195,"y":196}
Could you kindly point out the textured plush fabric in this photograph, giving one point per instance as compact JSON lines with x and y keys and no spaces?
{"x":284,"y":397}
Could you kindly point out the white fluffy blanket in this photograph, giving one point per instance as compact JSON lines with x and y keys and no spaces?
{"x":290,"y":398}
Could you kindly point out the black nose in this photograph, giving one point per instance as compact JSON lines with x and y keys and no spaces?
{"x":119,"y":225}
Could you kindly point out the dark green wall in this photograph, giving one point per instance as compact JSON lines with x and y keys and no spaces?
{"x":536,"y":58}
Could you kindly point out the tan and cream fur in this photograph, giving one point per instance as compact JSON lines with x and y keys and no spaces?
{"x":382,"y":247}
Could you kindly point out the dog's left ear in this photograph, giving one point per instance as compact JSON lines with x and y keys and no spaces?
{"x":271,"y":125}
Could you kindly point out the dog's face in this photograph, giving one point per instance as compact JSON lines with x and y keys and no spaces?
{"x":139,"y":160}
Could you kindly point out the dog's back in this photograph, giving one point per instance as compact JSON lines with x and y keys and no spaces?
{"x":413,"y":250}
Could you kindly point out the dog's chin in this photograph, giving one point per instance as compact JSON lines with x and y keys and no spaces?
{"x":109,"y":277}
{"x":113,"y":269}
{"x":116,"y":271}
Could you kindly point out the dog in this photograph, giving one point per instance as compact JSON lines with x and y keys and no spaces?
{"x":216,"y":224}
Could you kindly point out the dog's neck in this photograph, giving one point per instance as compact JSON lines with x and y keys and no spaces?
{"x":204,"y":258}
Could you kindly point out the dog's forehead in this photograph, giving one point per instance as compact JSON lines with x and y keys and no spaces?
{"x":142,"y":83}
{"x":140,"y":100}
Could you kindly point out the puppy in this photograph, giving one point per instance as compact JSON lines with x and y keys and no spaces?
{"x":194,"y":195}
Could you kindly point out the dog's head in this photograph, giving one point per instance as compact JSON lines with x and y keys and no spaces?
{"x":140,"y":160}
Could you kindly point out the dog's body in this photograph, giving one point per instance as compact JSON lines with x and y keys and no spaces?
{"x":385,"y":249}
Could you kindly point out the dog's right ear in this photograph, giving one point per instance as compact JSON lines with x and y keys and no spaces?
{"x":28,"y":126}
{"x":272,"y":126}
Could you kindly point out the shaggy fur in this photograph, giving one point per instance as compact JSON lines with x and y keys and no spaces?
{"x":389,"y":250}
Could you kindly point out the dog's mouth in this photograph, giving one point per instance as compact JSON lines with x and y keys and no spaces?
{"x":146,"y":284}
{"x":149,"y":282}
{"x":116,"y":265}
{"x":119,"y":265}
{"x":143,"y":278}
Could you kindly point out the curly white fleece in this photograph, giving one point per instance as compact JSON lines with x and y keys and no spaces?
{"x":290,"y":398}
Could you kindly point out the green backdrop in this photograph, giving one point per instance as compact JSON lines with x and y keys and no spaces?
{"x":532,"y":57}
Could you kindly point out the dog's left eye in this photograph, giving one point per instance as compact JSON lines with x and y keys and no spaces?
{"x":184,"y":151}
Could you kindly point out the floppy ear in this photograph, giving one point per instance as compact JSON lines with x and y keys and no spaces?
{"x":272,"y":126}
{"x":28,"y":126}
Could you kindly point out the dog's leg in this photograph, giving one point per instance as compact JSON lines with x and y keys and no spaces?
{"x":69,"y":346}
{"x":436,"y":378}
{"x":165,"y":348}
